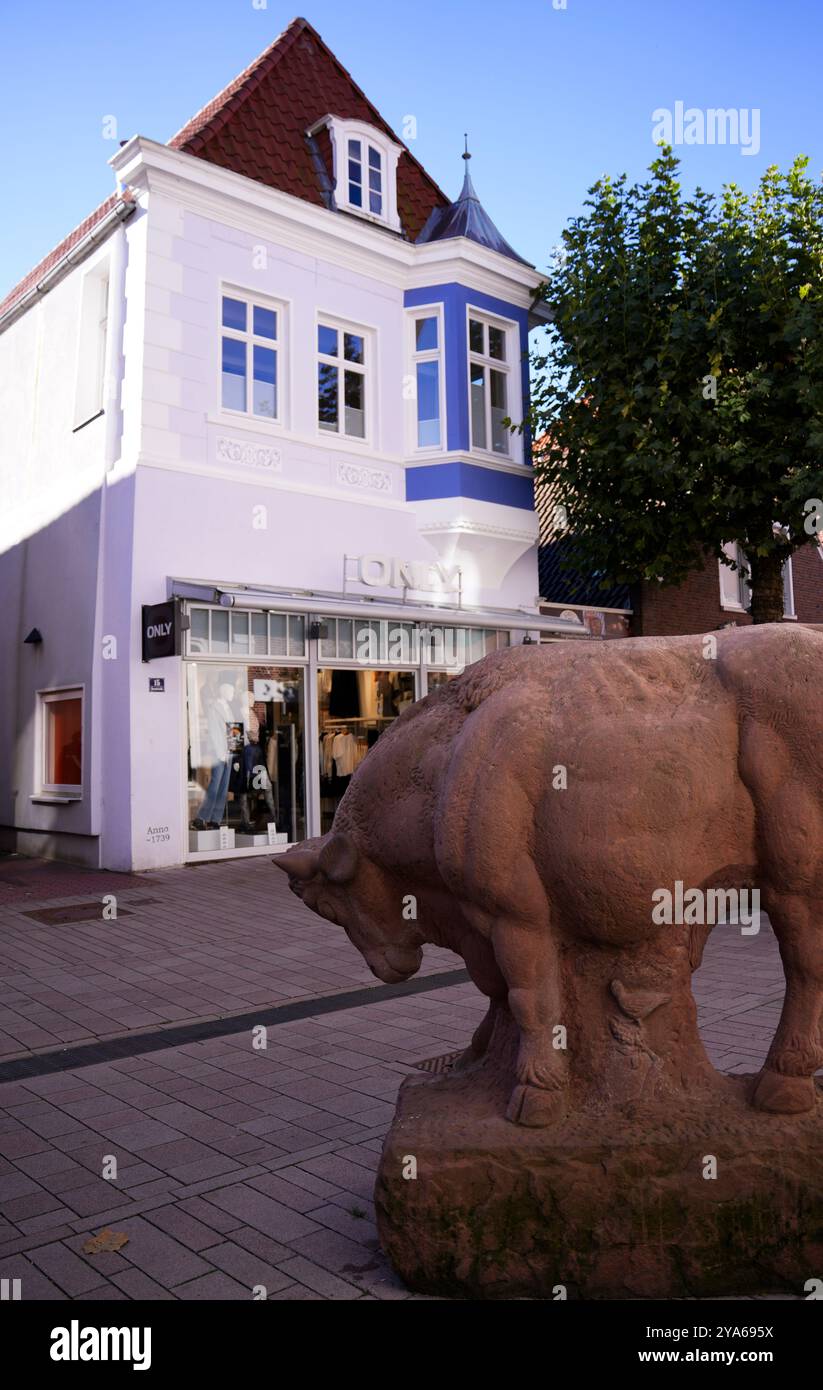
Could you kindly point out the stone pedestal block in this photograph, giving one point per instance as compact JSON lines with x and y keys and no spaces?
{"x":608,"y":1205}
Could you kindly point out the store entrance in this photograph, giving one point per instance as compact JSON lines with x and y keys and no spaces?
{"x":246,"y":771}
{"x":354,"y":708}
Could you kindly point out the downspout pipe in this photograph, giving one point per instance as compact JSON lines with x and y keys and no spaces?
{"x":122,"y":209}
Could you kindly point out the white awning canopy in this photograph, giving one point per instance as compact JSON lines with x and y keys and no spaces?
{"x":337,"y":605}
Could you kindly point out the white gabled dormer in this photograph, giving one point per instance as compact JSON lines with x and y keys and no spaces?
{"x":364,"y":169}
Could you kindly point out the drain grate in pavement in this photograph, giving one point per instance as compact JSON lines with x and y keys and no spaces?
{"x":439,"y":1064}
{"x":81,"y":912}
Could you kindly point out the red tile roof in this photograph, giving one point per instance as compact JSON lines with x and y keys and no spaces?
{"x":256,"y":126}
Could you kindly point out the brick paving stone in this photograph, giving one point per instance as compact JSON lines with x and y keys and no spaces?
{"x":298,"y":1177}
{"x":349,"y":1176}
{"x":137,"y":1285}
{"x":342,"y":1219}
{"x":364,"y":1267}
{"x":184,"y":1227}
{"x":203,"y":1210}
{"x":257,"y":1244}
{"x":34,"y":1284}
{"x":279,"y":1187}
{"x":212,"y":1287}
{"x":94,"y":1198}
{"x":69,"y":1273}
{"x":248,"y":1268}
{"x":319,"y":1280}
{"x":263,"y":1213}
{"x":158,"y":1255}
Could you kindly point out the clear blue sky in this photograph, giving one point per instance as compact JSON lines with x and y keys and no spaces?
{"x":551,"y":98}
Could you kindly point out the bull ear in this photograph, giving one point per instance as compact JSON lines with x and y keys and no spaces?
{"x":298,"y":863}
{"x":338,"y":858}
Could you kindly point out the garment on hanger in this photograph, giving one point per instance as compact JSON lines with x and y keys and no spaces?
{"x":343,"y":751}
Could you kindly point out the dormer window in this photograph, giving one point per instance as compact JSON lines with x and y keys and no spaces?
{"x":366,"y":192}
{"x":365,"y":170}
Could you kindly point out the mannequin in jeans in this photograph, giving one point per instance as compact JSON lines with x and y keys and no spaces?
{"x":213,"y":805}
{"x":255,"y":776}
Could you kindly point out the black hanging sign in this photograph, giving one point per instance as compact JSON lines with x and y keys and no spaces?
{"x":162,"y":630}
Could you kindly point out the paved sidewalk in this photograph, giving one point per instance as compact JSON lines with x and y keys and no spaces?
{"x":238,"y":1168}
{"x":195,"y":943}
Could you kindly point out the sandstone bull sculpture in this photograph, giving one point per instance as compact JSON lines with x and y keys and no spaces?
{"x":525,"y":814}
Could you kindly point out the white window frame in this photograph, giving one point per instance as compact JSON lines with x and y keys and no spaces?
{"x":507,"y":366}
{"x":425,"y":311}
{"x":789,"y":610}
{"x":63,"y":791}
{"x":367,"y":370}
{"x":341,"y":131}
{"x":250,"y":298}
{"x":90,"y":374}
{"x":742,"y":603}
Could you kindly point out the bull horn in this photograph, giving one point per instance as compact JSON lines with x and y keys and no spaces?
{"x":298,"y":863}
{"x":338,"y":858}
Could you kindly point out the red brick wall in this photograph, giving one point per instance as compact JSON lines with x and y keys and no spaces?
{"x":695,"y":605}
{"x":807,"y":566}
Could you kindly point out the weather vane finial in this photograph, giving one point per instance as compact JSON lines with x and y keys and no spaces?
{"x":466,"y":154}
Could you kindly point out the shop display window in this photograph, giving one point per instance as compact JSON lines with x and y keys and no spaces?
{"x":354,"y":708}
{"x":246,"y":764}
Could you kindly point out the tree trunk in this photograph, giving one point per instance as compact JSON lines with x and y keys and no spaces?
{"x":767,"y":588}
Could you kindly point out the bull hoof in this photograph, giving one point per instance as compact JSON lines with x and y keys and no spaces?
{"x":532,"y":1106}
{"x":783,"y":1095}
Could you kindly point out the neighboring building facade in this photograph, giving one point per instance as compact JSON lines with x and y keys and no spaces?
{"x":276,"y":467}
{"x":711,"y":598}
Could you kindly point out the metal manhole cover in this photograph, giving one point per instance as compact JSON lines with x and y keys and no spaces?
{"x":438,"y":1064}
{"x":77,"y":912}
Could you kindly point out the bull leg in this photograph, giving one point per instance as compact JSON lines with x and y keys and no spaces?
{"x":482,"y":967}
{"x":786,"y":1083}
{"x":527,"y":958}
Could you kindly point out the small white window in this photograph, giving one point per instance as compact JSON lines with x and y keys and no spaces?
{"x":249,"y":350}
{"x":61,"y":729}
{"x":788,"y":590}
{"x":365,"y":174}
{"x":365,"y":169}
{"x":91,"y":347}
{"x":341,"y":381}
{"x":489,"y":375}
{"x":735,"y":590}
{"x":427,"y":366}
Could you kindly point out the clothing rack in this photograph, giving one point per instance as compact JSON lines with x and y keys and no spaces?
{"x":360,"y":719}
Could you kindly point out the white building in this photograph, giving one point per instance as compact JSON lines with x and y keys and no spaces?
{"x":262,"y":386}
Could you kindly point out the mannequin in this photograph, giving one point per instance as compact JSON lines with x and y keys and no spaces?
{"x":256,"y":777}
{"x":220,"y":716}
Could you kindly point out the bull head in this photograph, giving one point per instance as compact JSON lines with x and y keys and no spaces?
{"x":332,"y":858}
{"x":322,"y":873}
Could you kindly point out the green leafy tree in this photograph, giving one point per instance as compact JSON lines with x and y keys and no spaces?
{"x":678,"y":403}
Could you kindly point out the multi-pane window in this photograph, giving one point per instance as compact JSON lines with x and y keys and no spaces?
{"x":249,"y":349}
{"x":427,"y":380}
{"x":488,"y":385}
{"x":341,"y":381}
{"x":238,"y":632}
{"x":365,"y":177}
{"x":62,"y":741}
{"x":735,"y":589}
